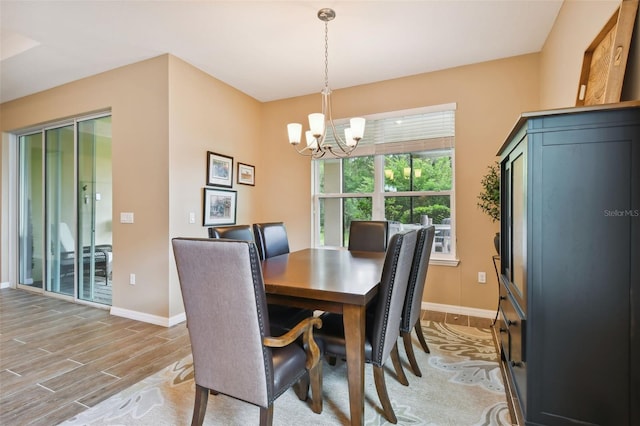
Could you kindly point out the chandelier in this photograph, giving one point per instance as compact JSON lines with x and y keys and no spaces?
{"x":316,"y":144}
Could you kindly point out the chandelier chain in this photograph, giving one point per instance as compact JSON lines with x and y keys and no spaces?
{"x":326,"y":54}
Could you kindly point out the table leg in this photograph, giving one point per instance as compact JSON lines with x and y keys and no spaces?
{"x":354,"y":324}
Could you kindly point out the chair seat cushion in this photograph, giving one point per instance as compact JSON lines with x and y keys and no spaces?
{"x":331,"y":339}
{"x":288,"y":367}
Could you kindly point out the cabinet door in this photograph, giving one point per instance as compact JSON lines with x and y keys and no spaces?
{"x":519,"y":226}
{"x":579,"y":309}
{"x":514,"y":223}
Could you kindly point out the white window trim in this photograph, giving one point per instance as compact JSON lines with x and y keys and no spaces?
{"x":449,"y":259}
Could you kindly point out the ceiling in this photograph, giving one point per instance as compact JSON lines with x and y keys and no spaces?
{"x":267,"y":49}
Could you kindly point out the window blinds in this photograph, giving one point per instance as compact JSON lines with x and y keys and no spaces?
{"x":404,"y":131}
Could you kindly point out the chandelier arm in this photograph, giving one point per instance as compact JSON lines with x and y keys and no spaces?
{"x":307,"y":151}
{"x":339,"y":153}
{"x":339,"y":141}
{"x":327,"y":111}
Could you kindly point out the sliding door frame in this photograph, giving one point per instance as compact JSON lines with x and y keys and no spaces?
{"x":15,"y":214}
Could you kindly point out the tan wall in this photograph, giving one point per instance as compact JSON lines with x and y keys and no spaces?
{"x":206,"y":115}
{"x":577,"y":24}
{"x":490,"y":96}
{"x":137,"y":96}
{"x":166,"y":115}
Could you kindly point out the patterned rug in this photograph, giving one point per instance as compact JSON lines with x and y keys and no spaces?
{"x":461,"y":384}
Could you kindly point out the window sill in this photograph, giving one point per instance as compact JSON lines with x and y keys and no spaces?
{"x":444,"y":262}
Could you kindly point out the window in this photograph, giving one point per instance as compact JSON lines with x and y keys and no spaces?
{"x":402,"y":171}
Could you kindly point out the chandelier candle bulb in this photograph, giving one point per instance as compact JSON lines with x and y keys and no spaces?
{"x":294,"y":130}
{"x":357,"y":127}
{"x":312,"y":142}
{"x":348,"y":137}
{"x":316,"y":124}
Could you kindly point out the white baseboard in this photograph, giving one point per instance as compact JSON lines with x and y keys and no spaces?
{"x":151,"y":319}
{"x":460,"y":310}
{"x":5,"y":284}
{"x":177,"y":319}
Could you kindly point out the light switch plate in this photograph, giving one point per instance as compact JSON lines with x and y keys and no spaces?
{"x":126,"y":217}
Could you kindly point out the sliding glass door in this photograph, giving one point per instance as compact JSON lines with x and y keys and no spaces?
{"x":60,"y":204}
{"x":65,"y":210}
{"x":94,"y":210}
{"x":30,"y":242}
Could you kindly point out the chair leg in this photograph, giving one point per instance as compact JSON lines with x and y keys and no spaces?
{"x":301,"y":387}
{"x":408,"y":348}
{"x":200,"y":405}
{"x":397,"y":365}
{"x":381,"y":387}
{"x":420,"y":334}
{"x":316,"y":388}
{"x":266,"y":415}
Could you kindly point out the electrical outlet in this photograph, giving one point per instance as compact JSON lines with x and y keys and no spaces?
{"x":192,"y":217}
{"x":482,"y":277}
{"x":132,"y":279}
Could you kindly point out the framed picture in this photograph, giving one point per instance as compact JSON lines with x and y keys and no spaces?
{"x":246,"y":174}
{"x":605,"y":60}
{"x":219,"y":170}
{"x":219,"y":207}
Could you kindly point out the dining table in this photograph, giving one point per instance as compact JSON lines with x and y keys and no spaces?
{"x":331,"y":280}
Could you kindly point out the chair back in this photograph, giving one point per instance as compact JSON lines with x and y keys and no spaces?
{"x":271,"y":239}
{"x":368,"y":235}
{"x":226,"y":309}
{"x":387,"y":312}
{"x":415,"y":288}
{"x":234,"y":232}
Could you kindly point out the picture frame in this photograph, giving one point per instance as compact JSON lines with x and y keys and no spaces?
{"x":605,"y":60}
{"x":219,"y":170}
{"x":219,"y":207}
{"x":246,"y":174}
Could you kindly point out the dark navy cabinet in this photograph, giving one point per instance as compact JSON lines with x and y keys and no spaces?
{"x":569,"y":315}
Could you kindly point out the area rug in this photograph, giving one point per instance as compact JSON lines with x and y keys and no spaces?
{"x":461,"y":384}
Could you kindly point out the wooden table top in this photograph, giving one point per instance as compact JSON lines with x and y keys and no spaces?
{"x":330,"y":275}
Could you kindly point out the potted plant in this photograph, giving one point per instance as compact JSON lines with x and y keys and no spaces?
{"x":489,"y":197}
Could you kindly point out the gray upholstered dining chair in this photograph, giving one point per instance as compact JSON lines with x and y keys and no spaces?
{"x":232,"y":232}
{"x":226,"y":307}
{"x":271,"y":239}
{"x":413,"y":300}
{"x":383,"y":319}
{"x":368,"y":235}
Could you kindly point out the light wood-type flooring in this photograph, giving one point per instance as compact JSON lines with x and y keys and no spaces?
{"x":58,"y":358}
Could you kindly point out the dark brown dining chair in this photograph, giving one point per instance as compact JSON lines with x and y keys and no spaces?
{"x":383,"y":319}
{"x":232,"y":232}
{"x":271,"y":239}
{"x":413,"y":300}
{"x":234,"y":352}
{"x":368,"y":235}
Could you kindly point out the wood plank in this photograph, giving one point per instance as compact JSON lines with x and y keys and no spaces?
{"x":60,"y":415}
{"x":58,"y":357}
